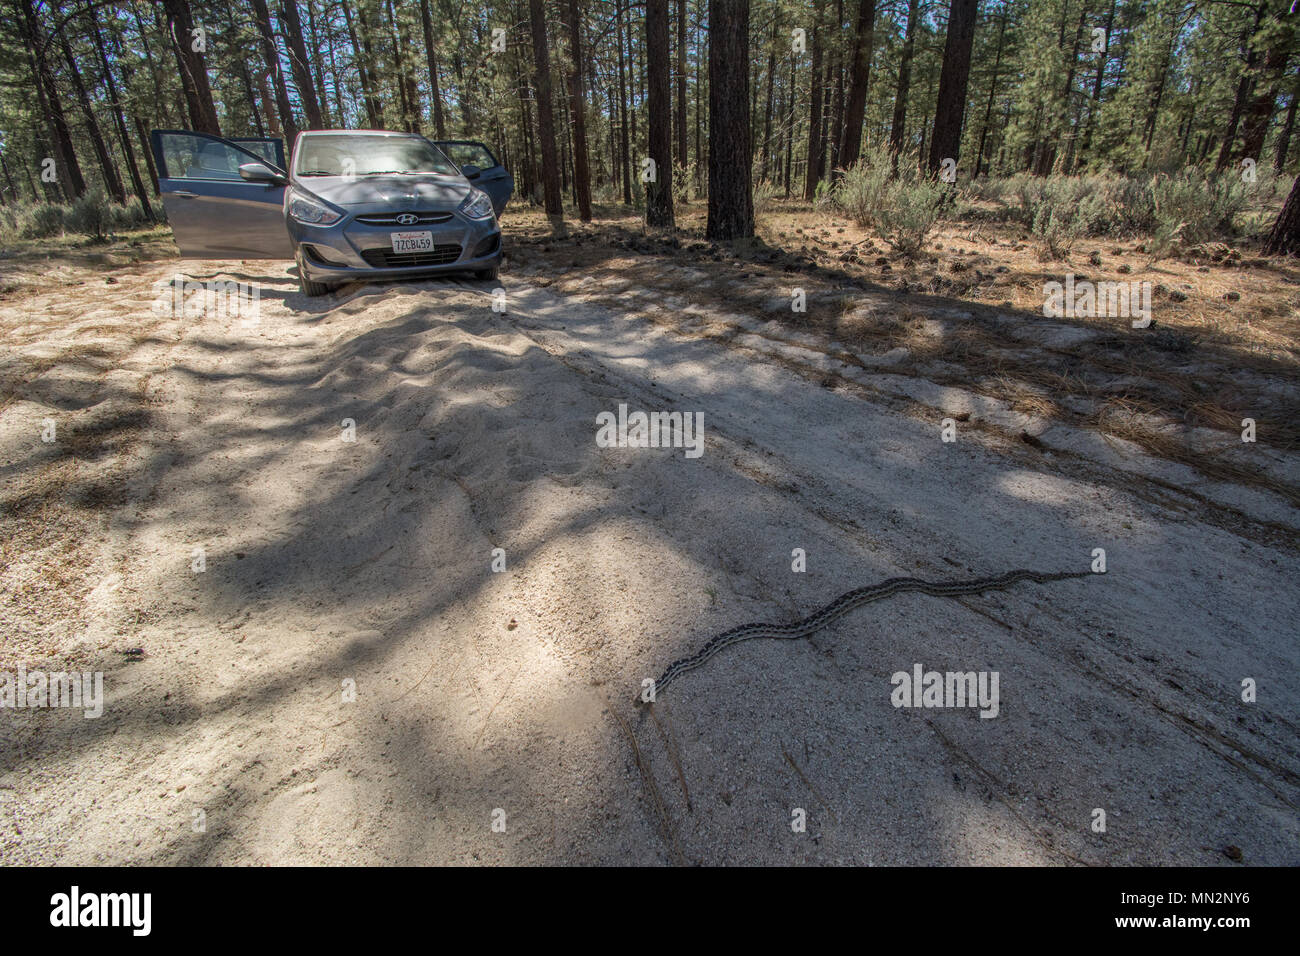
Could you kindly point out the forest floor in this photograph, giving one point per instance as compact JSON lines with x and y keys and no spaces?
{"x":214,"y":441}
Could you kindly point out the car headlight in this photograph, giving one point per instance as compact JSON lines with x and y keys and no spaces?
{"x":477,"y":205}
{"x":312,"y":211}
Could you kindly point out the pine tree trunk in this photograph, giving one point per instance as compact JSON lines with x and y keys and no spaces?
{"x":193,"y":68}
{"x":1098,"y":80}
{"x":813,"y":174}
{"x":622,"y":104}
{"x":300,"y":65}
{"x":142,"y":134}
{"x":578,"y":105}
{"x":545,"y":112}
{"x":1284,"y":139}
{"x":368,"y":98}
{"x":898,"y":128}
{"x":993,"y":89}
{"x":124,"y":137}
{"x":731,"y":199}
{"x":1245,"y":86}
{"x":864,"y":38}
{"x":439,"y":120}
{"x":73,"y":185}
{"x":365,"y":32}
{"x":408,"y":93}
{"x":112,"y":181}
{"x":789,"y":127}
{"x":681,"y":85}
{"x":659,"y":192}
{"x":316,"y":57}
{"x":1285,"y":237}
{"x":262,"y":18}
{"x":950,"y":110}
{"x":837,"y":102}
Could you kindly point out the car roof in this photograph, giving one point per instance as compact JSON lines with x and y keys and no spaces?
{"x":353,"y":132}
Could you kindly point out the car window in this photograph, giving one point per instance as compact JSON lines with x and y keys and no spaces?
{"x":268,"y":149}
{"x":367,"y":155}
{"x":197,"y":157}
{"x":463,"y":154}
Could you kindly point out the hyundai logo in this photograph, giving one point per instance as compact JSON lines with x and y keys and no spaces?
{"x":407,"y":218}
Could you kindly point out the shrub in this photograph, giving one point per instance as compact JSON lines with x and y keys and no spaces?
{"x":91,"y":215}
{"x":1193,"y":207}
{"x":42,"y":221}
{"x":902,"y":209}
{"x":764,"y":193}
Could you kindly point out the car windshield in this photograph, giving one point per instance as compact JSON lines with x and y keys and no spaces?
{"x":363,"y":155}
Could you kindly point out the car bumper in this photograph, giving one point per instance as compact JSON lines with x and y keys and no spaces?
{"x":359,"y":252}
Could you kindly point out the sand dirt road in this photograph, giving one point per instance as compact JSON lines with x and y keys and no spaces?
{"x":506,"y":698}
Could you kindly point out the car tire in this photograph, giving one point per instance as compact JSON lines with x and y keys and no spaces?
{"x":311,"y":288}
{"x":487,"y":275}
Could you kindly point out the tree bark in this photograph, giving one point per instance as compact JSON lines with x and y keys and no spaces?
{"x":813,"y":175}
{"x":993,"y":89}
{"x":1285,"y":237}
{"x":262,"y":17}
{"x":622,"y":104}
{"x":142,"y":134}
{"x":47,"y":98}
{"x":578,"y":106}
{"x":855,"y":106}
{"x":1097,"y":81}
{"x":112,"y":181}
{"x":193,"y":67}
{"x":300,"y":65}
{"x":731,"y":198}
{"x":439,"y":120}
{"x":545,"y":112}
{"x":407,"y":93}
{"x":681,"y":85}
{"x":1245,"y":85}
{"x":124,"y":137}
{"x":837,"y":101}
{"x":950,"y":110}
{"x":898,"y":127}
{"x":1284,"y":139}
{"x":659,"y":192}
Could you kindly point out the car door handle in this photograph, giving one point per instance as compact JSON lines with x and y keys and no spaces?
{"x":185,"y":195}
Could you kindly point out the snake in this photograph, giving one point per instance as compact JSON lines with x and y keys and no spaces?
{"x":844,"y":604}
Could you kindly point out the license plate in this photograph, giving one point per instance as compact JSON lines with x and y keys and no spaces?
{"x":412,"y":241}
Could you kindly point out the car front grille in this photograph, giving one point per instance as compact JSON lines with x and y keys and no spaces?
{"x":390,"y":218}
{"x":388,"y":259}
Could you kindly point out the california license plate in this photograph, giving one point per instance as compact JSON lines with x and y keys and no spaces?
{"x":412,"y":241}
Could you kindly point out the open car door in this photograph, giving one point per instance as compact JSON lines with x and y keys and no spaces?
{"x":215,"y":213}
{"x":492,"y":178}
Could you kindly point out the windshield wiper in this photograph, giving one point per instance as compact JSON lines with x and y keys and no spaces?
{"x":318,"y":172}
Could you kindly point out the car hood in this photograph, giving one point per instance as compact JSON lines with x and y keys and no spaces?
{"x":389,"y":193}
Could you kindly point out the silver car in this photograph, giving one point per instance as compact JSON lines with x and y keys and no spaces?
{"x":353,"y":205}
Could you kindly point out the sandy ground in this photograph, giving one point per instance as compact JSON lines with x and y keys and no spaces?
{"x":506,"y":698}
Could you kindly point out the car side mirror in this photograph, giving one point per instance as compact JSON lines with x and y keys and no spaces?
{"x":261,"y":173}
{"x":471,"y":171}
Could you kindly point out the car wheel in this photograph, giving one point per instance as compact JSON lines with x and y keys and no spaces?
{"x":487,"y":274}
{"x":311,"y":288}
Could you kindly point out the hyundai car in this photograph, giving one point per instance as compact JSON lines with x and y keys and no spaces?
{"x":350,"y":205}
